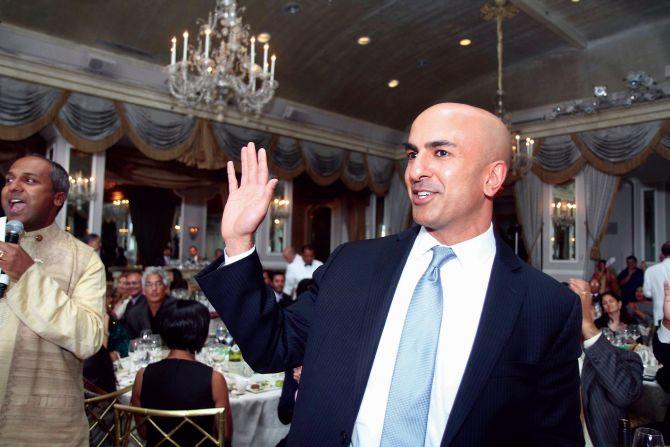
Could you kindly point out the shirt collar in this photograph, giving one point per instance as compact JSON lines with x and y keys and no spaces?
{"x":470,"y":252}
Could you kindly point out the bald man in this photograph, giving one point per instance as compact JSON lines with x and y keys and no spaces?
{"x":438,"y":335}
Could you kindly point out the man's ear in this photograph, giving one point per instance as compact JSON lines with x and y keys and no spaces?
{"x":59,"y":199}
{"x":496,"y":173}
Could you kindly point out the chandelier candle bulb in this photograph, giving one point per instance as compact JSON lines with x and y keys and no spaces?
{"x":207,"y":33}
{"x":266,"y":47}
{"x":272,"y":68}
{"x":185,"y":46}
{"x":173,"y":51}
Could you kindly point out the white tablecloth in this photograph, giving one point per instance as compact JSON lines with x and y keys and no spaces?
{"x":255,"y":420}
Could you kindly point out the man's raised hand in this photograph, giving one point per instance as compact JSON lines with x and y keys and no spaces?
{"x":247,"y":202}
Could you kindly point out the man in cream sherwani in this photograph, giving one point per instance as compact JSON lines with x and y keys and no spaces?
{"x":51,"y":317}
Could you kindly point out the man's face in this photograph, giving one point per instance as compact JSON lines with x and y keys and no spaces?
{"x":192,"y":250}
{"x":28,"y":193}
{"x":154,"y":288}
{"x":632,"y":265}
{"x":595,"y":286}
{"x":134,"y":284}
{"x":95,"y":244}
{"x":278,"y":282}
{"x":448,"y":169}
{"x":308,"y":255}
{"x":288,"y":254}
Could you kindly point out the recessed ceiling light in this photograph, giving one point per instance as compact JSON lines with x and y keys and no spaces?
{"x":464,"y":42}
{"x":263,"y":37}
{"x":292,"y":8}
{"x":363,"y":40}
{"x":393,"y":83}
{"x":575,"y":1}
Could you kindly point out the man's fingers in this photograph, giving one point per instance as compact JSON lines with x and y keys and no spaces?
{"x":269,"y":189}
{"x":245,"y":168}
{"x":262,"y":167}
{"x":253,"y":163}
{"x":232,"y":179}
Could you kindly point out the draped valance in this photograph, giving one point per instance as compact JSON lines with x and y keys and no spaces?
{"x":615,"y":150}
{"x":93,"y":124}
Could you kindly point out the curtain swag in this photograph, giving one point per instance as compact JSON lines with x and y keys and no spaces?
{"x":93,"y":124}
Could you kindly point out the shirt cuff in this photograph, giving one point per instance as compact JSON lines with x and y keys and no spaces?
{"x":591,"y":341}
{"x":663,"y":334}
{"x":231,"y":259}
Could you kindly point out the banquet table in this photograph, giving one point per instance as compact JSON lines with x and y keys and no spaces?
{"x":255,"y":421}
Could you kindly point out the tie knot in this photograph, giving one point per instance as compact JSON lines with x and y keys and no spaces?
{"x":441,"y":255}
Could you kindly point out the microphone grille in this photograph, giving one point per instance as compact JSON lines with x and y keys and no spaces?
{"x":14,"y":226}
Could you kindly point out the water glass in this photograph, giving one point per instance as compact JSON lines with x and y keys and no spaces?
{"x":648,"y":437}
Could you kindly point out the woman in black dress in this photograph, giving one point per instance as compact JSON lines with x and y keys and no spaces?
{"x":179,"y":382}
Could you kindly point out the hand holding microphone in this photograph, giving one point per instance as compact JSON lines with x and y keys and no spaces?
{"x":14,"y":261}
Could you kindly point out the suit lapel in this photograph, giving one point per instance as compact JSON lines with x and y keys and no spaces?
{"x":383,"y":285}
{"x":503,"y":301}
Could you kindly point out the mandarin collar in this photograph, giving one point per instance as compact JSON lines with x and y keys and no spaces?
{"x":42,"y":234}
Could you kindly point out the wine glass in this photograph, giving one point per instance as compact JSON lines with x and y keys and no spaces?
{"x":648,"y":437}
{"x":220,"y":333}
{"x":229,"y":338}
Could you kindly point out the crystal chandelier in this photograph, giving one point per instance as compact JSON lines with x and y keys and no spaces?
{"x":81,"y":190}
{"x":522,"y":148}
{"x":221,"y":69}
{"x":563,"y":213}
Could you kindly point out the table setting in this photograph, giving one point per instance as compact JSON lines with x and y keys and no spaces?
{"x":253,"y":397}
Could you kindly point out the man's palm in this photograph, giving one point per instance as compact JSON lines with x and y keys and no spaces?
{"x":247,"y":202}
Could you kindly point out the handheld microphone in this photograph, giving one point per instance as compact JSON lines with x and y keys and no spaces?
{"x":13,"y":230}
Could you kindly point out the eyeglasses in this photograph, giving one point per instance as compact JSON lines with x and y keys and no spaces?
{"x":157,"y":284}
{"x":133,"y":283}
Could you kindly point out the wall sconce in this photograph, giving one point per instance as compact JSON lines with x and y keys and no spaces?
{"x":193,"y":231}
{"x":280,"y":207}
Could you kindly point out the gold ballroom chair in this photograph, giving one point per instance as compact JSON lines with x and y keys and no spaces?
{"x":100,"y":415}
{"x":127,"y":431}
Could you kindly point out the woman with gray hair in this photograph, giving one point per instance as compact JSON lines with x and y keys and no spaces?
{"x":145,"y":315}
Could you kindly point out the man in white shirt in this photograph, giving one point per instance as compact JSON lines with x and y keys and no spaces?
{"x":438,"y":335}
{"x":654,"y":277}
{"x":302,"y":267}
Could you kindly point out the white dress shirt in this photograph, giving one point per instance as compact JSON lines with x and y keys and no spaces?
{"x":297,"y":271}
{"x":654,"y":277}
{"x":464,"y":283}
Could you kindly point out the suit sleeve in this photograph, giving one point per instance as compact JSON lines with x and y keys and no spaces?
{"x":72,"y":322}
{"x":271,"y":338}
{"x":555,"y":420}
{"x":618,"y":372}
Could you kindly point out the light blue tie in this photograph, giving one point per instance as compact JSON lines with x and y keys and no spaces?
{"x":406,"y":418}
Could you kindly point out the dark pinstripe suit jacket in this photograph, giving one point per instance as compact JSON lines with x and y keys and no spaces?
{"x":521,"y":383}
{"x":611,"y":381}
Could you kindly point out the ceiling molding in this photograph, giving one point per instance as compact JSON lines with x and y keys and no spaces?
{"x":639,"y":113}
{"x":550,"y":20}
{"x":40,"y":73}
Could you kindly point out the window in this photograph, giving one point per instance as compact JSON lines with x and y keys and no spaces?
{"x":280,"y":212}
{"x":563,"y":230}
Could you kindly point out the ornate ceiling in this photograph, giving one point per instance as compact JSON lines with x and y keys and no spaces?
{"x":555,"y":50}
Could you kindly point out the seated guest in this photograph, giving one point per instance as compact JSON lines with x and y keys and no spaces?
{"x":642,"y":308}
{"x":605,"y":277}
{"x":303,"y":286}
{"x":266,"y":278}
{"x":193,"y":255}
{"x":611,"y":378}
{"x":165,"y":258}
{"x":117,"y":339}
{"x":144,"y":315}
{"x":277,"y":284}
{"x":630,"y":279}
{"x":180,"y":382}
{"x":614,"y":314}
{"x":133,"y":289}
{"x":177,"y":281}
{"x":99,"y":372}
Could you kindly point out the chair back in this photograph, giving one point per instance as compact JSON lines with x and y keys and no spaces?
{"x":100,"y":414}
{"x":128,"y":433}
